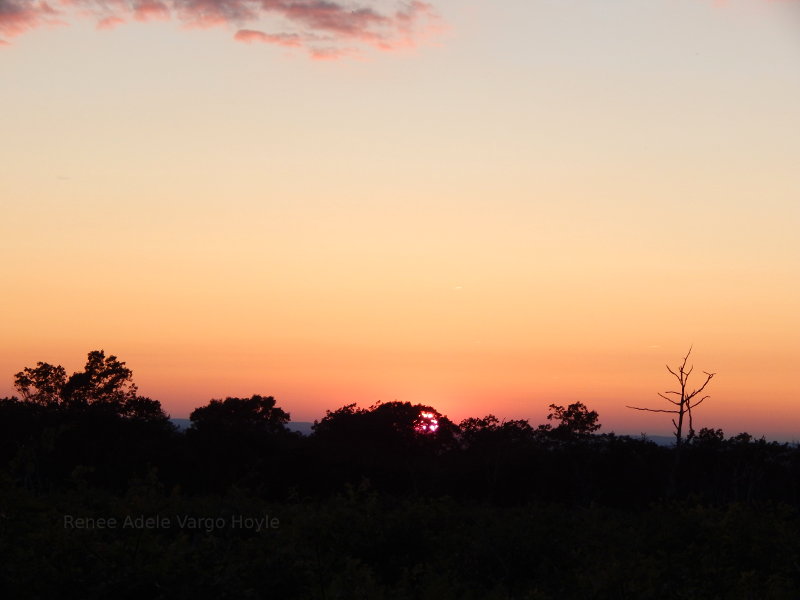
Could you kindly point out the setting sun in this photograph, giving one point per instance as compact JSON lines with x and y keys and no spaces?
{"x":426,"y":423}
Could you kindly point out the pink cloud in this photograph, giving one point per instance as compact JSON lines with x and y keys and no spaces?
{"x":18,"y":16}
{"x":281,"y":39}
{"x":385,"y":31}
{"x":321,"y":15}
{"x":325,"y":29}
{"x":212,"y":13}
{"x":150,"y":10}
{"x":331,"y":53}
{"x":110,"y":22}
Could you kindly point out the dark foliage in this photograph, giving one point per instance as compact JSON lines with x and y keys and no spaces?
{"x":391,"y":501}
{"x":239,"y":441}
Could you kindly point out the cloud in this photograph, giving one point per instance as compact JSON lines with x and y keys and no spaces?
{"x":151,"y":11}
{"x":19,"y":16}
{"x":281,"y":39}
{"x":110,"y":22}
{"x":332,"y":53}
{"x":325,"y":29}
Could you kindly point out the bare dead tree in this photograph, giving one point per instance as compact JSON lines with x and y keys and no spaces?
{"x":684,"y":400}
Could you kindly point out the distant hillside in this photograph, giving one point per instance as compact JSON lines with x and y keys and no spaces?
{"x":302,"y":427}
{"x":661,"y":440}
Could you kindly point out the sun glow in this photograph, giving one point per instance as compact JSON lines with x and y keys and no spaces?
{"x":426,"y":423}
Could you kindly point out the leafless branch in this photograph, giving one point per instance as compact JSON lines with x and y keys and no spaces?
{"x":691,"y":406}
{"x":702,"y":387}
{"x":684,"y":401}
{"x":675,"y":402}
{"x":685,"y":358}
{"x":652,"y":409}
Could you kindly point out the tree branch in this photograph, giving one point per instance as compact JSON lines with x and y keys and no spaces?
{"x":702,"y":387}
{"x":652,"y":409}
{"x":685,"y":358}
{"x":670,"y":400}
{"x":684,"y":399}
{"x":698,"y":402}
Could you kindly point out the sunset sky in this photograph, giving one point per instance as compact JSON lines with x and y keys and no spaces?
{"x":482,"y":206}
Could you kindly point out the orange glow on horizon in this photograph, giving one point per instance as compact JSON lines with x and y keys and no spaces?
{"x":548,"y":206}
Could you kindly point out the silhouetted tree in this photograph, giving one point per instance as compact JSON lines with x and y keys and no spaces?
{"x":740,"y":438}
{"x":237,"y":441}
{"x":104,"y":379}
{"x":394,"y":444}
{"x":684,"y":400}
{"x":489,"y":429}
{"x":576,"y":420}
{"x":343,"y":422}
{"x":143,"y":409}
{"x":709,"y":437}
{"x":42,"y":384}
{"x":389,"y":424}
{"x":240,"y":416}
{"x":105,"y":383}
{"x":494,"y":453}
{"x":92,"y":422}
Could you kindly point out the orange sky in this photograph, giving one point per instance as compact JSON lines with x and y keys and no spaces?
{"x":501,"y":210}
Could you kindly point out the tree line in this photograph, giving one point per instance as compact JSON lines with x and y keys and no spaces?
{"x":391,"y":501}
{"x":94,"y":428}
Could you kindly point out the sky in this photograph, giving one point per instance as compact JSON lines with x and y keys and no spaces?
{"x":486,"y":207}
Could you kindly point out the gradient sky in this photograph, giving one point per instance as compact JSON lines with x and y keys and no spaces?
{"x":482,"y":206}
